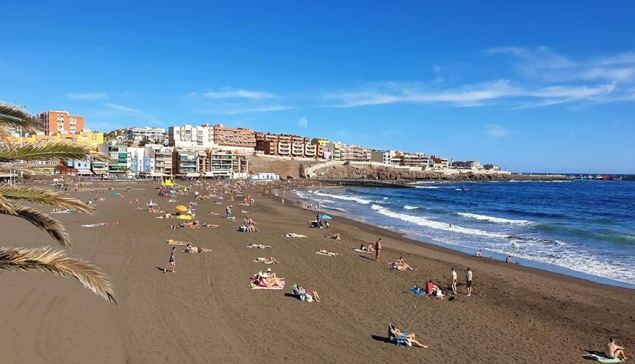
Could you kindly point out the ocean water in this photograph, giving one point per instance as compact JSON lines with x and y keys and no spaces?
{"x":583,"y":228}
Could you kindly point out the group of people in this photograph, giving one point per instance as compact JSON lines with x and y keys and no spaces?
{"x":267,"y":280}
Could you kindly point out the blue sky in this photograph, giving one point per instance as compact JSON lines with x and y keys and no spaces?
{"x":540,"y":86}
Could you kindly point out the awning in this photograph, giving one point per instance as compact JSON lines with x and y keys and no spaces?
{"x":85,"y":172}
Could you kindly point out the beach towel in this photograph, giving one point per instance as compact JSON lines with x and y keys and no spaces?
{"x":602,"y":358}
{"x":68,"y":211}
{"x":418,"y":291}
{"x":361,"y":251}
{"x":95,"y":225}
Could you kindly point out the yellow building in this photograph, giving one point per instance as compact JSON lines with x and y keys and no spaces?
{"x":320,"y":141}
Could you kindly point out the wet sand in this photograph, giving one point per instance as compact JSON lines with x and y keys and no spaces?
{"x":206,"y":313}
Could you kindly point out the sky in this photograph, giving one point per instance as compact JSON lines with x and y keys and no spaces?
{"x":532,"y":86}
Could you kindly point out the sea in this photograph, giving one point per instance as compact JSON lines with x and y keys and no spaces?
{"x":582,"y":228}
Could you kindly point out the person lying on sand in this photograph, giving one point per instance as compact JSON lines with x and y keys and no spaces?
{"x":336,"y":236}
{"x":268,"y":279}
{"x":411,"y":337}
{"x":270,"y":260}
{"x":258,"y":246}
{"x":213,"y":213}
{"x":369,"y":248}
{"x":328,"y":252}
{"x":194,"y":249}
{"x":209,"y":226}
{"x":177,"y":242}
{"x":294,"y":235}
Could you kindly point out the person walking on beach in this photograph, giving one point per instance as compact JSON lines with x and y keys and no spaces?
{"x":453,"y":281}
{"x":468,"y":281}
{"x":613,"y":351}
{"x":377,"y":249}
{"x":171,"y":261}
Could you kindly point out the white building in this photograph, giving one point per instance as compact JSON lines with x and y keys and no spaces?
{"x":154,"y":135}
{"x":389,"y":155}
{"x":191,"y":137}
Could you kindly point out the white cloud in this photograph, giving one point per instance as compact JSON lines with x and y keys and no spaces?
{"x":227,"y":93}
{"x":88,"y":96}
{"x":123,"y":108}
{"x":303,"y":122}
{"x":482,"y":94}
{"x":496,"y":131}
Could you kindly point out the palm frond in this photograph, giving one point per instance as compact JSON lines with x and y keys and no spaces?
{"x":41,"y":220}
{"x":44,"y":152}
{"x":46,"y":259}
{"x":6,"y":205}
{"x":30,"y":169}
{"x":16,"y":117}
{"x":45,"y":197}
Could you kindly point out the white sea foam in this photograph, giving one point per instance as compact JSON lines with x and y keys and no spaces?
{"x":422,"y":221}
{"x":497,"y":220}
{"x":408,"y":207}
{"x":346,"y":198}
{"x":428,"y":187}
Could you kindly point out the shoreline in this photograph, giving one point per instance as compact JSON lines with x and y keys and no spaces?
{"x":452,"y":249}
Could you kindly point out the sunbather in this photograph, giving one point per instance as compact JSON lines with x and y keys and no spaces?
{"x":294,"y":235}
{"x":270,"y":260}
{"x":327,"y":252}
{"x":401,"y":265}
{"x":194,"y":249}
{"x":176,"y":242}
{"x":410,"y":337}
{"x":369,"y":248}
{"x":209,"y":226}
{"x":336,"y":236}
{"x":305,"y":295}
{"x":258,"y":246}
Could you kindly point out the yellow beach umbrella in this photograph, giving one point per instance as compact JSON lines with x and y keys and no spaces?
{"x":181,"y":208}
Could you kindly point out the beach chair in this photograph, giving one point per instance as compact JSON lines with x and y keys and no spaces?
{"x":399,"y":340}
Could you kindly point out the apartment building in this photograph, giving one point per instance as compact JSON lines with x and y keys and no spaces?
{"x":191,"y":137}
{"x":332,"y":151}
{"x":388,"y":156}
{"x":209,"y":163}
{"x":117,"y":157}
{"x":157,"y":160}
{"x":471,"y":165}
{"x":286,"y":145}
{"x":320,"y":141}
{"x":60,"y":122}
{"x":355,"y":153}
{"x":439,"y":162}
{"x":240,"y":139}
{"x":154,"y":135}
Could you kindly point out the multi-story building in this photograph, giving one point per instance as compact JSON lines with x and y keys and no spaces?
{"x":185,"y":162}
{"x":355,"y":153}
{"x":286,"y":145}
{"x":157,"y":160}
{"x":117,"y":157}
{"x":377,"y":155}
{"x":61,"y":122}
{"x":332,"y":151}
{"x":154,"y":135}
{"x":439,"y":162}
{"x":191,"y":137}
{"x":240,"y":139}
{"x":472,"y":165}
{"x":389,"y":155}
{"x":320,"y":141}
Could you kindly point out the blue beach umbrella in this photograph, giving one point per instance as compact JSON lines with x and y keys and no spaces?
{"x":325,"y":217}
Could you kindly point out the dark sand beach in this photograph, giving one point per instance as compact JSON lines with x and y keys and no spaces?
{"x":206,"y":312}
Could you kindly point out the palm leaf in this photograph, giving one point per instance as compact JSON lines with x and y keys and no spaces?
{"x":6,"y":205}
{"x":22,"y":168}
{"x":46,"y":197}
{"x":44,"y":152}
{"x":41,"y":220}
{"x":15,"y":117}
{"x":46,"y":259}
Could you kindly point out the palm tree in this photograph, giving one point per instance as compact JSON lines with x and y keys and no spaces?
{"x":12,"y":158}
